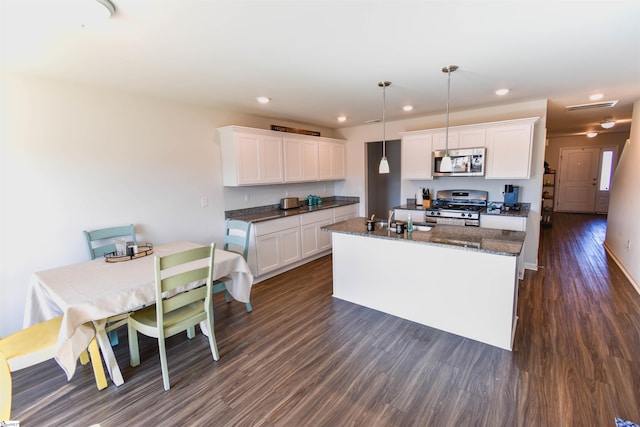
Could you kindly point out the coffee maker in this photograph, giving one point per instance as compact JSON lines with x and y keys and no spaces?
{"x":511,"y":197}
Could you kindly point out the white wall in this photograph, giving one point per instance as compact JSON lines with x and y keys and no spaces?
{"x":530,"y":190}
{"x":623,"y":229}
{"x":76,"y":157}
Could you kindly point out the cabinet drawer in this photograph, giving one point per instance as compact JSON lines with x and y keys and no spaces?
{"x":501,"y":222}
{"x":310,"y":218}
{"x":345,"y":210}
{"x":275,"y":225}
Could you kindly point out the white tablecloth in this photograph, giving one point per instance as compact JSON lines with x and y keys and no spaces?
{"x":95,"y":290}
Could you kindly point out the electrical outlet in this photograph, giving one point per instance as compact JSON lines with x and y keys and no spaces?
{"x":246,"y":197}
{"x":628,"y":244}
{"x":204,"y":201}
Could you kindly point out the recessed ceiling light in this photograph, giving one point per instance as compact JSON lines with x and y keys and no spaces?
{"x":342,"y":119}
{"x":501,"y":92}
{"x":263,"y":99}
{"x":608,"y":124}
{"x":592,"y":134}
{"x":407,"y":107}
{"x":596,"y":96}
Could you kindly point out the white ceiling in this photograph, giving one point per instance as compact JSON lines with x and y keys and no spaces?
{"x":320,"y":59}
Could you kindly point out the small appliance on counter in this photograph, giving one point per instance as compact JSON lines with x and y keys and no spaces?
{"x":511,"y":195}
{"x":289,"y":203}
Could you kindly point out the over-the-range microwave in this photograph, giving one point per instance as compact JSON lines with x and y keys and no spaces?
{"x":465,"y":162}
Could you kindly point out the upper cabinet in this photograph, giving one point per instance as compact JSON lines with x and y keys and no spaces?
{"x":250,"y":158}
{"x":459,"y":137}
{"x":509,"y":148}
{"x":416,"y":155}
{"x":262,"y":157}
{"x":300,"y":160}
{"x":332,"y":157}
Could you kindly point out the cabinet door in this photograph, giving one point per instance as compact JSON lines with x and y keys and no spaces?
{"x":309,"y":238}
{"x":331,"y":160}
{"x":258,"y":159}
{"x":509,"y":152}
{"x":440,"y":139}
{"x":300,"y":160}
{"x":271,"y":170}
{"x":267,"y":249}
{"x":290,"y":246}
{"x":472,"y":138}
{"x":324,"y":237}
{"x":416,"y":157}
{"x":248,"y":158}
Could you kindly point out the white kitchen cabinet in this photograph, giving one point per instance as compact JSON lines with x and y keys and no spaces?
{"x":250,"y":158}
{"x":300,"y":159}
{"x":503,"y":222}
{"x":509,"y":148}
{"x":277,"y":243}
{"x":313,"y":239}
{"x":416,"y":156}
{"x":331,"y":160}
{"x":461,"y":137}
{"x":507,"y":222}
{"x":344,"y":213}
{"x":284,"y":243}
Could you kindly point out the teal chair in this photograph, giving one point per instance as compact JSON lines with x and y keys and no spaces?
{"x":236,"y":240}
{"x":99,"y":243}
{"x":177,"y":313}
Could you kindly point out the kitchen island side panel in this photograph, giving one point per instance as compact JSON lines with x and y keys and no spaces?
{"x":464,"y":292}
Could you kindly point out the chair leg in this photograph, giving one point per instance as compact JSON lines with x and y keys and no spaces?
{"x":191,"y":332}
{"x":212,"y":339}
{"x":84,"y":358}
{"x":5,"y":389}
{"x":227,"y":296}
{"x":163,"y":363}
{"x":113,"y":337}
{"x":96,"y":363}
{"x":249,"y":308}
{"x":134,"y":352}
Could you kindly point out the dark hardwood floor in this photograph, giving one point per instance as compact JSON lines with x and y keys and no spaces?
{"x":302,"y":358}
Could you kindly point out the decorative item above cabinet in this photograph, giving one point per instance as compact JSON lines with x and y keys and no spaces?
{"x":263,"y":157}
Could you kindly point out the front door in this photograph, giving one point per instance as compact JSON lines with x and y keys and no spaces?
{"x":578,"y":179}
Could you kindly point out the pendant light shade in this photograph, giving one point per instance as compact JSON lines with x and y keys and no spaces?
{"x":445,"y":164}
{"x":384,"y":163}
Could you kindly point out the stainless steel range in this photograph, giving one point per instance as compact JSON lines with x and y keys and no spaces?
{"x":457,"y":207}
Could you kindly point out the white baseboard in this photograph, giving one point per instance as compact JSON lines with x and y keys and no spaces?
{"x":622,"y":267}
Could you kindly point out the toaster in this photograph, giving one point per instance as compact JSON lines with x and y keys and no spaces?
{"x":289,"y":203}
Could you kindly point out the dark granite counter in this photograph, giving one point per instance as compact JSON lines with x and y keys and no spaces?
{"x":523,"y":212}
{"x":499,"y":242}
{"x":270,"y":212}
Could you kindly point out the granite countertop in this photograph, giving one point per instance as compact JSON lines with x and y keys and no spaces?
{"x":271,"y":212}
{"x":523,"y":212}
{"x":499,"y":242}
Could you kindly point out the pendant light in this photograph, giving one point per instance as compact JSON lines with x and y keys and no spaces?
{"x":384,"y":163}
{"x":445,"y":165}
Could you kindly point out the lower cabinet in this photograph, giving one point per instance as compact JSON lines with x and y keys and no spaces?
{"x":281,"y":244}
{"x":277,"y":244}
{"x":313,"y":239}
{"x":507,"y":222}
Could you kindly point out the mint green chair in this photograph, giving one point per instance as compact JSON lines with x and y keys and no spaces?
{"x":99,"y":243}
{"x":236,"y":240}
{"x":180,"y":312}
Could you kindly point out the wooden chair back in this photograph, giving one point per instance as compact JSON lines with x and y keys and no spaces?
{"x":100,"y":242}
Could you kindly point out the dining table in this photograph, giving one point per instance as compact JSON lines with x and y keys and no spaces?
{"x":88,"y":293}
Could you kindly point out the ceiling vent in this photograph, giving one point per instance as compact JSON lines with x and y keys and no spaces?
{"x":605,"y":104}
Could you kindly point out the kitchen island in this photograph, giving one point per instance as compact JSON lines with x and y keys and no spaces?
{"x":461,"y":280}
